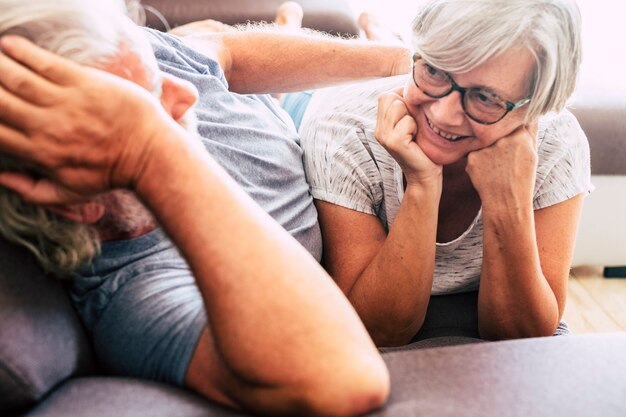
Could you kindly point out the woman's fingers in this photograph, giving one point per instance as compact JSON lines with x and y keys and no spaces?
{"x":533,"y":130}
{"x":391,"y":110}
{"x":44,"y":63}
{"x":406,"y":125}
{"x":397,"y":111}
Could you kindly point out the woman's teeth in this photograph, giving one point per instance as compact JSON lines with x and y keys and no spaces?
{"x":444,"y":135}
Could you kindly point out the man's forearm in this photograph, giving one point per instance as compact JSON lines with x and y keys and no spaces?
{"x":266,"y":61}
{"x":253,"y":275}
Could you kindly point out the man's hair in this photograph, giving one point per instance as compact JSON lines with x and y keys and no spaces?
{"x":89,"y":32}
{"x":459,"y":35}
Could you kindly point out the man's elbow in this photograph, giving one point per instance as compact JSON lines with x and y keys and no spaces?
{"x":350,"y":392}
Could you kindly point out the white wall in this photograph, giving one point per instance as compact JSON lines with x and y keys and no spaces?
{"x":602,"y":231}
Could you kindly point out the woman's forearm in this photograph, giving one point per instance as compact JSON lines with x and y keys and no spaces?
{"x":515,"y":299}
{"x":391,"y":295}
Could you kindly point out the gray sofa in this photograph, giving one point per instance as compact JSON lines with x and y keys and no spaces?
{"x":47,"y":366}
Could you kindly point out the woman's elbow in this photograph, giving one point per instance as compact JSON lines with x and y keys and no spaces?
{"x":396,"y":332}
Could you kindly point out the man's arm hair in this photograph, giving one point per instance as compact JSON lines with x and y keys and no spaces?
{"x":264,"y":59}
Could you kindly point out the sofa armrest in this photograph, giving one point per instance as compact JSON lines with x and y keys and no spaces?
{"x":41,"y":339}
{"x":331,"y":16}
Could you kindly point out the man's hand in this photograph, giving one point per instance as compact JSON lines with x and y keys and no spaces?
{"x":504,"y":173}
{"x":85,"y":130}
{"x":395,"y":131}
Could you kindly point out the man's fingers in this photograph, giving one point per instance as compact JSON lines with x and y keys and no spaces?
{"x":14,"y":111}
{"x":44,"y":63}
{"x":24,"y":83}
{"x":14,"y":142}
{"x":37,"y":191}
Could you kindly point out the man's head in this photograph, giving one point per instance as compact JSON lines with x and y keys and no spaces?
{"x":100,"y":34}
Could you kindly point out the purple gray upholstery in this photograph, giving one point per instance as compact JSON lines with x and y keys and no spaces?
{"x":330,"y":16}
{"x":41,"y":340}
{"x":604,"y":124}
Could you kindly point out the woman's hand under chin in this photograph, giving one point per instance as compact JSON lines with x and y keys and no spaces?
{"x":396,"y":130}
{"x":504,"y":173}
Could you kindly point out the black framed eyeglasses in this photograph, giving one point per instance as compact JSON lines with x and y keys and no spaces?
{"x":480,"y":104}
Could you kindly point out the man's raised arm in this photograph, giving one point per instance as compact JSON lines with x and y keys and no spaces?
{"x":272,"y":61}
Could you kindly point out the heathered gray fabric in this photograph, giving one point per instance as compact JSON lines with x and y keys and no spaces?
{"x":346,"y":166}
{"x":251,"y":137}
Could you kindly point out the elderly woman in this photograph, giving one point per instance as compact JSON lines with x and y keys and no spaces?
{"x":449,"y":198}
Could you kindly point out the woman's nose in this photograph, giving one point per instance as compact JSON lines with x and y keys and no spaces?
{"x":449,"y":109}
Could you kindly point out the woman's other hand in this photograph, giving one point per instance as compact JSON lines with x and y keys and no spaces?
{"x":504,"y":173}
{"x":395,"y":131}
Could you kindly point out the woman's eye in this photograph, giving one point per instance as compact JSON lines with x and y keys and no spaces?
{"x":485,"y":99}
{"x":434,"y":72}
{"x":434,"y":76}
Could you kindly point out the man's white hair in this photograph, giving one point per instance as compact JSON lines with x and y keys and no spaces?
{"x":89,"y":32}
{"x":459,"y":35}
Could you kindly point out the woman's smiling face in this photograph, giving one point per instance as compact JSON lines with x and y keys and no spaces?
{"x":441,"y":121}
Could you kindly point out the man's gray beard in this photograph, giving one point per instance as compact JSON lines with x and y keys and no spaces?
{"x":124,"y":212}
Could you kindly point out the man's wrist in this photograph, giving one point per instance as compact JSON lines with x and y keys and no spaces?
{"x":167,"y":152}
{"x":402,"y":63}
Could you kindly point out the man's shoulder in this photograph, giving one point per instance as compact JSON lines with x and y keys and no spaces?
{"x":171,"y":51}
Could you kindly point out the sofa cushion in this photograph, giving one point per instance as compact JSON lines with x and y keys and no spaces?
{"x":41,"y":339}
{"x":573,"y":376}
{"x":125,"y":397}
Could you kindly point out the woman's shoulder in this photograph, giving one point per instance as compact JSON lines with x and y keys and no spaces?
{"x":560,"y":130}
{"x":564,"y":166}
{"x":349,"y":104}
{"x":560,"y":138}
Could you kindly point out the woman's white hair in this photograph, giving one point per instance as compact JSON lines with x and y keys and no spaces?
{"x":89,"y":32}
{"x":459,"y":35}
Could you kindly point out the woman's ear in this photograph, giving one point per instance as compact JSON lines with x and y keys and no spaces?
{"x":177,"y":96}
{"x":86,"y":213}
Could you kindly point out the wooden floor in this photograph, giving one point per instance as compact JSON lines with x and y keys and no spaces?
{"x":594,"y":303}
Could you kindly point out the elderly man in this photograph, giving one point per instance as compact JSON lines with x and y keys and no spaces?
{"x":258,"y":324}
